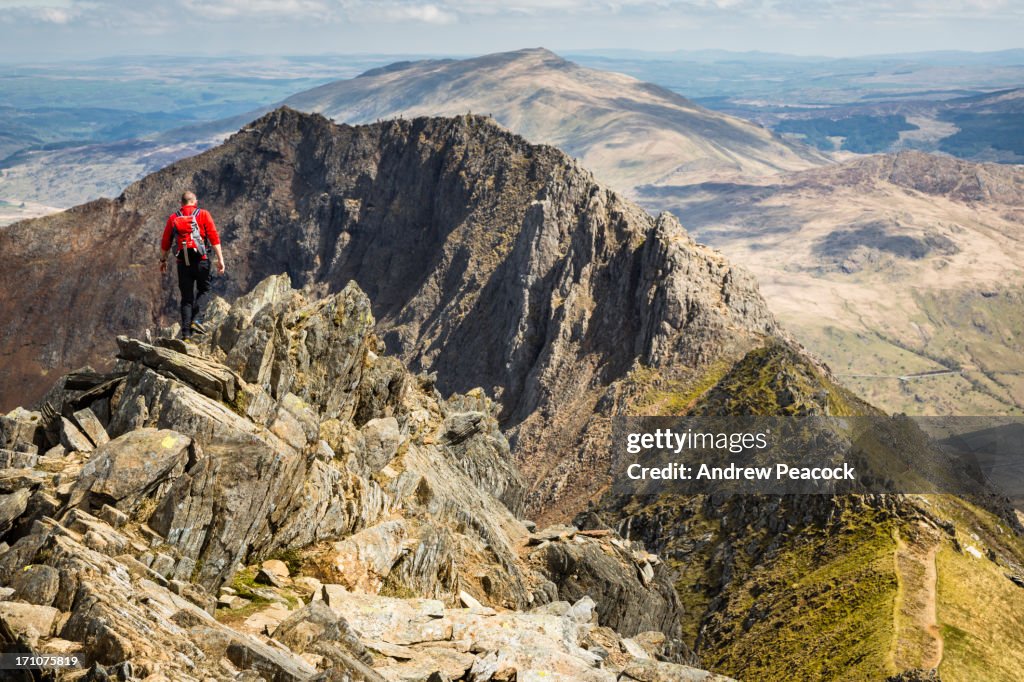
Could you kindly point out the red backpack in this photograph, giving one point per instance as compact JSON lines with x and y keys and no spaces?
{"x":188,"y":235}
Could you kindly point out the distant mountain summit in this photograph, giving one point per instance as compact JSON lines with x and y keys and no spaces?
{"x":627,"y":131}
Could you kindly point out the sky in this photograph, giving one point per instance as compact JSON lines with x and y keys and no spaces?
{"x":35,"y":30}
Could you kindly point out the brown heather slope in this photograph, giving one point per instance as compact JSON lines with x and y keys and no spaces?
{"x":493,"y":261}
{"x":888,"y":267}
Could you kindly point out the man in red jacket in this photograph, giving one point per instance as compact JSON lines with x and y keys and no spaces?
{"x":192,"y":233}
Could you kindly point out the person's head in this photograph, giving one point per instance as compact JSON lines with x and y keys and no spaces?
{"x":188,"y":198}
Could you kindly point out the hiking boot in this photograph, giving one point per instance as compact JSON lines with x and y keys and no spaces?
{"x":197,"y":328}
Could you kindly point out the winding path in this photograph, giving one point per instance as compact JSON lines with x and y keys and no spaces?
{"x":917,"y":642}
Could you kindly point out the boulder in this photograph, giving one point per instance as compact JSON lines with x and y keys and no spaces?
{"x":333,"y":595}
{"x":12,"y":506}
{"x":625,"y":601}
{"x":90,"y":425}
{"x":396,"y":621}
{"x":316,"y":623}
{"x":317,"y":354}
{"x":553,"y":533}
{"x":211,"y":379}
{"x":268,"y":577}
{"x":36,"y":584}
{"x":272,"y":664}
{"x":363,"y":560}
{"x":11,"y":459}
{"x":72,"y":438}
{"x":652,"y":641}
{"x":115,"y":517}
{"x":22,"y":430}
{"x":30,"y":621}
{"x":307,"y":587}
{"x":265,"y":621}
{"x":132,"y":468}
{"x":382,"y":438}
{"x":277,"y":567}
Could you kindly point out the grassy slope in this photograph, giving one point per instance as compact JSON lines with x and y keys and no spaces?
{"x":820,"y":598}
{"x":820,"y":608}
{"x":980,"y":611}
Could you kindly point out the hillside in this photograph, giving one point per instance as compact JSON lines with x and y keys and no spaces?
{"x":984,"y":127}
{"x":909,"y":285}
{"x":865,"y":587}
{"x":626,"y":131}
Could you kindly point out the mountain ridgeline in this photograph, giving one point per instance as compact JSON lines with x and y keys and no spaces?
{"x":487,"y":262}
{"x":626,"y":131}
{"x":492,"y":261}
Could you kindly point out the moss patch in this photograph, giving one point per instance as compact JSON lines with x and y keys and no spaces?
{"x":394,"y":587}
{"x":675,"y":393}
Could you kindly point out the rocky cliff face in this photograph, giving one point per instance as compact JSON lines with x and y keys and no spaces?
{"x":141,"y":500}
{"x":494,"y":262}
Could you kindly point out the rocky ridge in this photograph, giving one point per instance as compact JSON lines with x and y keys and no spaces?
{"x":285,"y":502}
{"x":491,"y":261}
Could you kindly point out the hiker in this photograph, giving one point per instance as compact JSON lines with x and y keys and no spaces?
{"x":192,"y":233}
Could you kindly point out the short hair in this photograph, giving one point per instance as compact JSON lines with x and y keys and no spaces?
{"x":188,"y":196}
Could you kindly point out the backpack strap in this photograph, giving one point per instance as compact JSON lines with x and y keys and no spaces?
{"x":200,"y":232}
{"x":195,"y":219}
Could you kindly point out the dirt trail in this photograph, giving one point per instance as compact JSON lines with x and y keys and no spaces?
{"x":917,"y":642}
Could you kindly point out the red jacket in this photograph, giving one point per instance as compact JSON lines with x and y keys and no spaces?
{"x":206,"y":227}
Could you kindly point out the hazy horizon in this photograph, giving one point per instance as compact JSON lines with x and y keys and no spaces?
{"x":590,"y":51}
{"x":60,"y":30}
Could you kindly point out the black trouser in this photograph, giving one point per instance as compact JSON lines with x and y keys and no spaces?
{"x":193,"y":282}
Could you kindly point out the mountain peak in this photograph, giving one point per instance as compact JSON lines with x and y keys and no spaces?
{"x":629,"y":133}
{"x":493,"y":261}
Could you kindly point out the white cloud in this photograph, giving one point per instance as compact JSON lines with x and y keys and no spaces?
{"x":281,"y":9}
{"x":54,"y":15}
{"x":447,"y":11}
{"x":428,"y":14}
{"x":152,"y":17}
{"x":45,"y":11}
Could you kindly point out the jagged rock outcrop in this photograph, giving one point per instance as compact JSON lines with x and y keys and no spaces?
{"x":491,"y":261}
{"x":287,"y":433}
